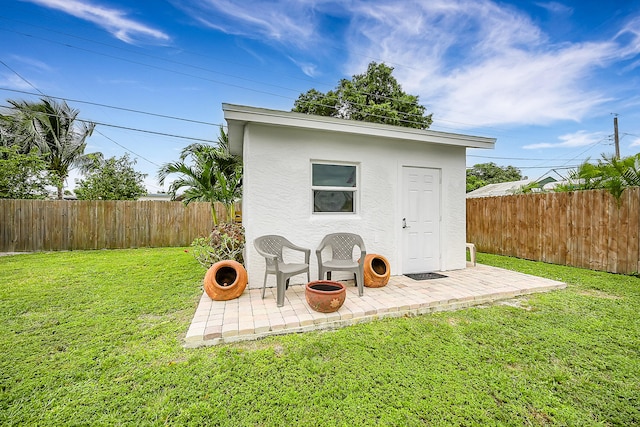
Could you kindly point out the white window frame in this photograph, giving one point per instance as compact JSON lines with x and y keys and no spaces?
{"x":354,"y":190}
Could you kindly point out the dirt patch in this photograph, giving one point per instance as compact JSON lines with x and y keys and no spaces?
{"x":598,"y":294}
{"x":522,"y":303}
{"x":261,"y":345}
{"x":455,"y":322}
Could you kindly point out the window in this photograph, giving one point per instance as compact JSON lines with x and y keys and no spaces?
{"x":334,"y":188}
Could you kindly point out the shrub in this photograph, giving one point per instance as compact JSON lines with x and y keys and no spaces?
{"x":226,"y":241}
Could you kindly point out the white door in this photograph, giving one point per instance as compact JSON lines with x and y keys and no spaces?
{"x":421,"y":220}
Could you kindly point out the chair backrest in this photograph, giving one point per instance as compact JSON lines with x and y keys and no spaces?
{"x":342,"y":244}
{"x":271,"y":244}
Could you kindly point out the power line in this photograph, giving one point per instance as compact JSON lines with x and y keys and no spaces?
{"x":132,"y":129}
{"x":130,"y":151}
{"x":539,"y":167}
{"x":20,"y":76}
{"x":105,"y":136}
{"x":51,"y":30}
{"x":182,"y":73}
{"x":112,"y":107}
{"x":106,"y":124}
{"x":148,"y":131}
{"x":218,"y":81}
{"x":149,"y":65}
{"x":515,"y":158}
{"x":184,"y":63}
{"x":135,"y":154}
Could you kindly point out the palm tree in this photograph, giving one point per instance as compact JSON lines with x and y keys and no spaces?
{"x":609,"y":173}
{"x":212,"y":175}
{"x":53,"y":128}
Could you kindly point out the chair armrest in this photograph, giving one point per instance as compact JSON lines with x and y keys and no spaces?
{"x":267,"y":255}
{"x":297,"y":248}
{"x":307,"y":252}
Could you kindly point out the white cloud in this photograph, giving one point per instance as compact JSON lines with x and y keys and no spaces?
{"x":288,"y":22}
{"x":629,"y":37}
{"x":577,"y":139}
{"x":12,"y":81}
{"x":113,"y":20}
{"x":33,"y":63}
{"x":476,"y":63}
{"x":555,"y":7}
{"x":473,"y":62}
{"x":308,"y":68}
{"x":635,"y":143}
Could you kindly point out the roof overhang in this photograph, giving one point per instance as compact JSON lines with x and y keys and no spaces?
{"x":238,"y":116}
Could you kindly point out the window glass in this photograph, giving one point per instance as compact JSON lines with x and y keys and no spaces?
{"x":334,"y":188}
{"x":334,"y":175}
{"x":332,"y":201}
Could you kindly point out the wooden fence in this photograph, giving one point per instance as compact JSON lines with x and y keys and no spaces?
{"x":51,"y":225}
{"x":583,"y":229}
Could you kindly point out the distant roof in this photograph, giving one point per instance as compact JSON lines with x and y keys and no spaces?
{"x":499,"y":189}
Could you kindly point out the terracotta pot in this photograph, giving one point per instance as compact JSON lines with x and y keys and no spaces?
{"x":225,"y":280}
{"x":325,"y":296}
{"x":376,"y":271}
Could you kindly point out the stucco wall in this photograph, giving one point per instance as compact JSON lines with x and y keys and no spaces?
{"x":277,"y":195}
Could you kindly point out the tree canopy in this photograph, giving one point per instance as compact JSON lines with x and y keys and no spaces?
{"x":609,"y":173}
{"x":206,"y":173}
{"x":22,"y":176}
{"x":375,"y":96}
{"x":483,"y":174}
{"x":111,"y":179}
{"x":53,"y":128}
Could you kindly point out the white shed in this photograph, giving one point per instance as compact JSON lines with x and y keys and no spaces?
{"x":305,"y":176}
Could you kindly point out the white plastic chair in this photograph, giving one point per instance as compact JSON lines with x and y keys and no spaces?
{"x":342,"y":246}
{"x":271,"y":248}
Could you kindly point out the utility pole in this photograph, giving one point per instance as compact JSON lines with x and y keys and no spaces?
{"x":616,"y":140}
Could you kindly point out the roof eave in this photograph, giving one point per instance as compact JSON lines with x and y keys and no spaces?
{"x":237,"y":116}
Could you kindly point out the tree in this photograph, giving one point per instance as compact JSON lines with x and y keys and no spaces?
{"x":489,"y":173}
{"x":610,"y":173}
{"x":22,"y":176}
{"x":111,"y":179}
{"x":375,"y":96}
{"x":12,"y":134}
{"x":54,"y":129}
{"x":208,"y":174}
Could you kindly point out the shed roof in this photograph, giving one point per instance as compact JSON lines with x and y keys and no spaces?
{"x":237,"y":116}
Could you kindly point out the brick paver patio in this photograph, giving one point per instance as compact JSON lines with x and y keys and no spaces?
{"x":251,"y":317}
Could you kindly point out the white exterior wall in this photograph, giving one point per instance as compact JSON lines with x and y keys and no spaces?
{"x":277,"y":193}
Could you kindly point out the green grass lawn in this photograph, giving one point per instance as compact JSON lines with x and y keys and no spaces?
{"x":95,"y":338}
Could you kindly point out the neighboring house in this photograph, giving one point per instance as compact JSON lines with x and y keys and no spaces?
{"x":156,"y":196}
{"x":509,"y":188}
{"x":499,"y":189}
{"x":401,"y":189}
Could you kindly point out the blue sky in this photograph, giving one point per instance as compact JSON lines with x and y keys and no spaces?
{"x":544,"y":78}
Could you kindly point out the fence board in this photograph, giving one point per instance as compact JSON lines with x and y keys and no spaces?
{"x":36,"y":225}
{"x":548,"y":251}
{"x":584,"y":229}
{"x":623,"y":233}
{"x":613,"y":231}
{"x":560,"y":209}
{"x":585,"y":225}
{"x":634,"y":230}
{"x":595,"y":232}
